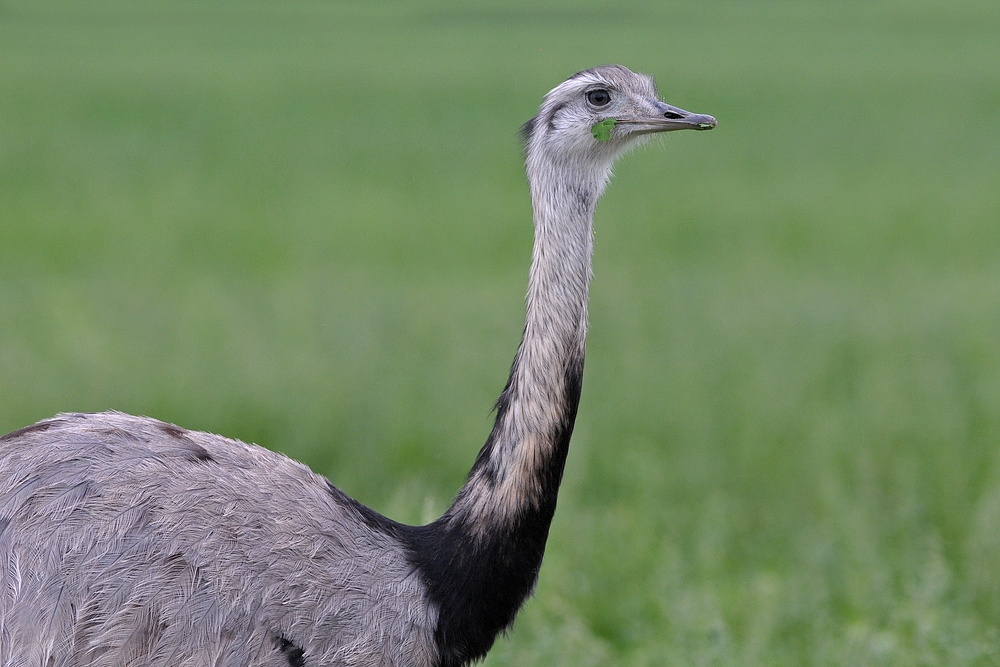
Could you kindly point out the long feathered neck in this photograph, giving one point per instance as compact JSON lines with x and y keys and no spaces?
{"x":481,"y":559}
{"x":518,"y":470}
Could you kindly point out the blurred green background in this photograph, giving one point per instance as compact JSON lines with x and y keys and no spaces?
{"x":305,"y":224}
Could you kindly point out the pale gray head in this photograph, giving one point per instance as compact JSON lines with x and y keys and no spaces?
{"x":625,"y":103}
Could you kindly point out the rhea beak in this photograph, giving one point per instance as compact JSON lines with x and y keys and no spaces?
{"x":669,"y":118}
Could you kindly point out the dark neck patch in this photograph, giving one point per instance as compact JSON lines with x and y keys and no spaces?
{"x":479,"y":583}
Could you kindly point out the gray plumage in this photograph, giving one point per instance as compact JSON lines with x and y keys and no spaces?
{"x":129,"y":541}
{"x":134,"y":542}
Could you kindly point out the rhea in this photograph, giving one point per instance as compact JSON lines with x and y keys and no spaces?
{"x":129,"y":541}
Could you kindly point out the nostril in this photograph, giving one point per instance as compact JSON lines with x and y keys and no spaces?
{"x":672,"y":115}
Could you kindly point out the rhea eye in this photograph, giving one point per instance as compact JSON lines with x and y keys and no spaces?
{"x":599,"y":97}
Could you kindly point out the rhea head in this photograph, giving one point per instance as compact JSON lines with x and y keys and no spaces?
{"x":597,"y":114}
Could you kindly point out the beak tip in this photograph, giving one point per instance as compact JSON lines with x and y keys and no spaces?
{"x":705,"y":122}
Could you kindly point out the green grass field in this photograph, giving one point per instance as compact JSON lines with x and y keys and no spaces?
{"x":305,"y":224}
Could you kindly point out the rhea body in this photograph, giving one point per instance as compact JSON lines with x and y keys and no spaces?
{"x":128,"y":541}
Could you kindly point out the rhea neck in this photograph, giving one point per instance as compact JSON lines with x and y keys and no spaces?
{"x":481,"y":559}
{"x":518,"y":470}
